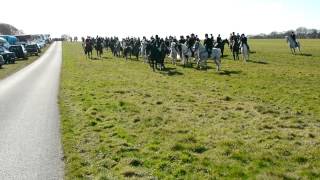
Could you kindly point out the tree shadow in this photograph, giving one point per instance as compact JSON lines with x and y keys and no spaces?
{"x":229,"y":73}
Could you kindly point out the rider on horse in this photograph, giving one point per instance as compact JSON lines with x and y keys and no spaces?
{"x":244,"y":40}
{"x":208,"y":43}
{"x":294,"y":38}
{"x":190,"y":42}
{"x":219,"y":39}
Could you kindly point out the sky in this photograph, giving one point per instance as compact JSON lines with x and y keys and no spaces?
{"x":163,"y":17}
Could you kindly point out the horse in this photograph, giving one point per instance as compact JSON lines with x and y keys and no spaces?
{"x":127,"y":49}
{"x":293,"y":45}
{"x":156,"y":55}
{"x":116,"y":48}
{"x":235,"y":49}
{"x":143,"y":51}
{"x":201,"y":55}
{"x":88,"y":49}
{"x":245,"y":52}
{"x":99,"y":47}
{"x":136,"y":50}
{"x":184,"y":53}
{"x":221,"y":45}
{"x":163,"y":51}
{"x":174,"y":52}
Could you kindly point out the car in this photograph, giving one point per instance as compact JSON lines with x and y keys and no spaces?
{"x":9,"y":57}
{"x":1,"y":61}
{"x":33,"y":49}
{"x":19,"y":51}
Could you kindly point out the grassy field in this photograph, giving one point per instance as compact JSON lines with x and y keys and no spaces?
{"x":9,"y":69}
{"x":259,"y":120}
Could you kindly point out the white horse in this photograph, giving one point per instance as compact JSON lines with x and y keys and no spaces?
{"x":186,"y":54}
{"x":201,"y":55}
{"x":173,"y":53}
{"x":244,"y":52}
{"x":143,"y":51}
{"x":293,"y":45}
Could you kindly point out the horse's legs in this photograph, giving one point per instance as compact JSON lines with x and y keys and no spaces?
{"x":234,"y":55}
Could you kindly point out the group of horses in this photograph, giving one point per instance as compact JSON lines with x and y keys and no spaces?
{"x":154,"y":51}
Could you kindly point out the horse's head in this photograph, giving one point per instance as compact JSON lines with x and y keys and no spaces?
{"x":196,"y":46}
{"x":226,"y":41}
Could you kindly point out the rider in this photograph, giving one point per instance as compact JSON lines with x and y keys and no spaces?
{"x":191,"y":42}
{"x":244,"y":40}
{"x":294,"y":38}
{"x":208,"y":43}
{"x":219,"y":39}
{"x":182,"y":40}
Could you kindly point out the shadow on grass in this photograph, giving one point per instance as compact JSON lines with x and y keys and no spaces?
{"x":171,"y":72}
{"x":305,"y":54}
{"x":105,"y":57}
{"x":257,"y":62}
{"x":229,"y":73}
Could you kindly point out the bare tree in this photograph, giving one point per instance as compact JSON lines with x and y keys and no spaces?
{"x":8,"y":29}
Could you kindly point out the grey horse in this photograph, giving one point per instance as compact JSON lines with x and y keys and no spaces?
{"x":293,"y":45}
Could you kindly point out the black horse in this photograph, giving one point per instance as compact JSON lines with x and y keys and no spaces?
{"x":221,"y":45}
{"x":88,"y":47}
{"x":127,"y":49}
{"x":156,"y":55}
{"x":136,"y":50}
{"x":235,"y":49}
{"x":99,"y":47}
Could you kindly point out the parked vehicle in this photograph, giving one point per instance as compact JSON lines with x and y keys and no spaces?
{"x":33,"y":49}
{"x":1,"y":61}
{"x":11,"y":39}
{"x":4,"y":42}
{"x":19,"y":51}
{"x":9,"y":57}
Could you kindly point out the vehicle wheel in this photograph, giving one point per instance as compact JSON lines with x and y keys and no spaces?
{"x":37,"y":54}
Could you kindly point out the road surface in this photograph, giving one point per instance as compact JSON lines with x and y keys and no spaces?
{"x":30,"y":144}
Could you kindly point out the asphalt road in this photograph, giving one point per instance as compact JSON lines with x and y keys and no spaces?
{"x":30,"y":144}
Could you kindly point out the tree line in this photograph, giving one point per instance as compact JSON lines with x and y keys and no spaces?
{"x":301,"y":32}
{"x":7,"y":29}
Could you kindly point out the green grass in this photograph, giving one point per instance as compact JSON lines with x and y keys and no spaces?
{"x":9,"y":69}
{"x":259,"y":120}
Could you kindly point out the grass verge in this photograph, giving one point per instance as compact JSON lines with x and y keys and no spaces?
{"x":9,"y":69}
{"x":257,"y":120}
